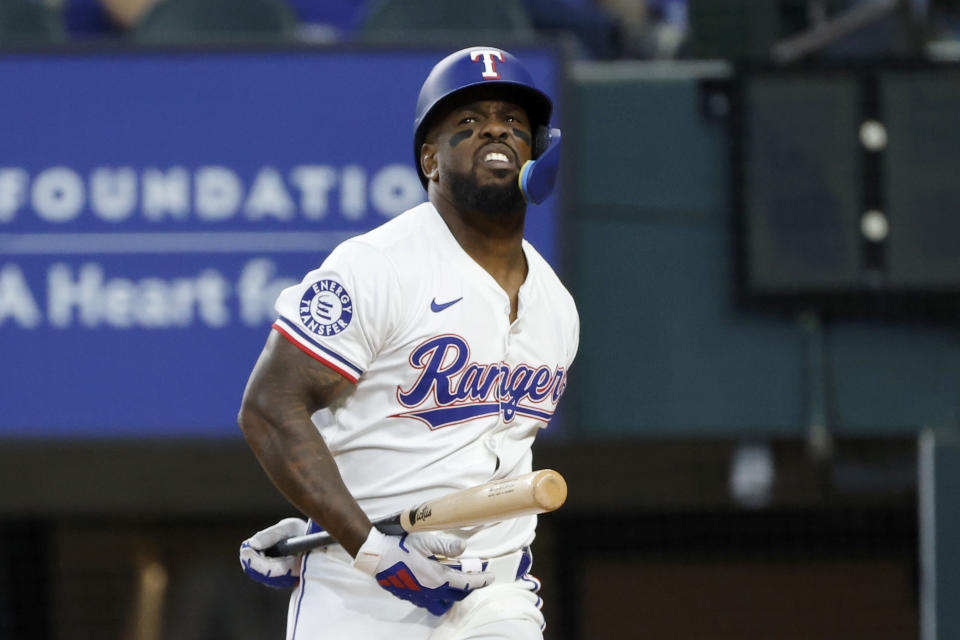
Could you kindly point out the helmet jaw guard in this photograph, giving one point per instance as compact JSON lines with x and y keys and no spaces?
{"x":481,"y":71}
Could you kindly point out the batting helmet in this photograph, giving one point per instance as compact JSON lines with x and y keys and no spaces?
{"x":477,"y":71}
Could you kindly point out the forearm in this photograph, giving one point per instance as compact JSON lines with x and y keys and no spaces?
{"x":298,"y":462}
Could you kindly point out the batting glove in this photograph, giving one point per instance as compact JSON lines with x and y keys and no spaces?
{"x":281,"y":572}
{"x":407,"y":567}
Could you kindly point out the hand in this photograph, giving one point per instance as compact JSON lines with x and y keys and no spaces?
{"x":407,"y":567}
{"x":280,"y":572}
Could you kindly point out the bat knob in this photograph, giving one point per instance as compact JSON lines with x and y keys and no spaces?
{"x":549,"y":490}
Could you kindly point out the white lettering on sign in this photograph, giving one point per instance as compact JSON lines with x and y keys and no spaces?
{"x":268,"y":197}
{"x":353,"y":192}
{"x":166,"y":193}
{"x":16,"y":301}
{"x":84,"y":296}
{"x":57,"y":194}
{"x":13,"y":192}
{"x":315,"y":182}
{"x":113,"y":193}
{"x":88,"y":298}
{"x":257,"y":290}
{"x":218,"y":193}
{"x":210,"y":194}
{"x":392,"y":188}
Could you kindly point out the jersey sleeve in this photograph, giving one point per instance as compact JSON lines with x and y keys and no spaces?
{"x":342,"y":312}
{"x":575,"y":334}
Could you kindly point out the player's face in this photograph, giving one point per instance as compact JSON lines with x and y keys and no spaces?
{"x":488,"y":140}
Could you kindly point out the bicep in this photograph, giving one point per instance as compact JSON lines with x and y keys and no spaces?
{"x":285,"y":379}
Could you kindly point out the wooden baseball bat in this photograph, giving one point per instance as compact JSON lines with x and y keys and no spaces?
{"x":532,"y":493}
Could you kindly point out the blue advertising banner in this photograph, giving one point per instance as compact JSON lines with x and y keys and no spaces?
{"x":153,"y":204}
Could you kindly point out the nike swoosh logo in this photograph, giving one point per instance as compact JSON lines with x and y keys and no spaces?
{"x":437,"y":308}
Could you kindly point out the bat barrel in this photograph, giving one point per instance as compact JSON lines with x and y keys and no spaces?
{"x":529,"y":494}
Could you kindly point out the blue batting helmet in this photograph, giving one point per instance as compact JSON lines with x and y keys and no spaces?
{"x":477,"y":71}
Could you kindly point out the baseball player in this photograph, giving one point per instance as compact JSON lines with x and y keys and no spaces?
{"x":420,"y":358}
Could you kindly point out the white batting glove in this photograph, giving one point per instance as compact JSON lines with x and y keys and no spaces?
{"x":280,"y":572}
{"x":407,"y":567}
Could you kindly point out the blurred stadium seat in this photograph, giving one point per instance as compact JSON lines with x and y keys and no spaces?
{"x":29,"y":21}
{"x":205,"y":20}
{"x":395,"y":20}
{"x":735,"y":28}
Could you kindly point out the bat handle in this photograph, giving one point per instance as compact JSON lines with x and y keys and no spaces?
{"x":298,"y":544}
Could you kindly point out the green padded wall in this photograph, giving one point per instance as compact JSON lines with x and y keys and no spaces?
{"x":665,"y":350}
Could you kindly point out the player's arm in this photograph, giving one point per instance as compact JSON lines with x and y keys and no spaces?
{"x":285,"y":388}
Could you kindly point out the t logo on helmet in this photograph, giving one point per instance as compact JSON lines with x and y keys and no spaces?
{"x":489,"y":56}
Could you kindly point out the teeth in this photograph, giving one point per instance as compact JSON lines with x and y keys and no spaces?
{"x":495,"y":156}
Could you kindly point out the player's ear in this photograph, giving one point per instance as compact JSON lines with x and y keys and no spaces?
{"x":428,"y":161}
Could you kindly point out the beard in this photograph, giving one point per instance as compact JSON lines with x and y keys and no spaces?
{"x":490,"y":200}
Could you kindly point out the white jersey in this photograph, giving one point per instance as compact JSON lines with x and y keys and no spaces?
{"x":449,"y":394}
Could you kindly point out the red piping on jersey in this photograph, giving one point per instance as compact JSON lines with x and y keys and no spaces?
{"x":313,"y":355}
